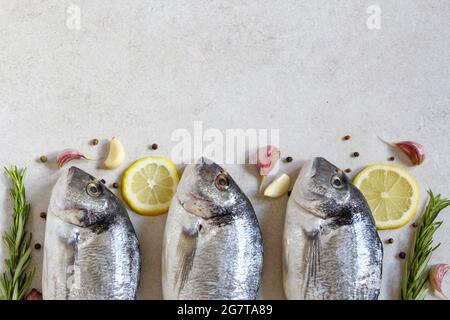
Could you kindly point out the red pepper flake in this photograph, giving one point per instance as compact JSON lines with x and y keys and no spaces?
{"x":346,"y":138}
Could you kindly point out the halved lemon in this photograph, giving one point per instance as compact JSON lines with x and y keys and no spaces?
{"x":392,"y":193}
{"x":149,"y":184}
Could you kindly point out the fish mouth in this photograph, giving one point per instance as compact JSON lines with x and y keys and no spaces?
{"x":61,"y":206}
{"x":303,"y":195}
{"x":189,"y":206}
{"x":307,"y":174}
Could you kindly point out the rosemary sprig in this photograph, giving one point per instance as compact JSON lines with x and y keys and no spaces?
{"x":415,"y":275}
{"x":16,"y":280}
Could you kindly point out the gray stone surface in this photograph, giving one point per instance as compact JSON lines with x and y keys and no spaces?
{"x":139,"y":70}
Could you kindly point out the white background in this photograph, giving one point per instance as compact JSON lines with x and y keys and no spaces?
{"x":139,"y":70}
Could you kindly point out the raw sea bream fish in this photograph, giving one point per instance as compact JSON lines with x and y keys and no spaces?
{"x":331,"y":248}
{"x":91,"y":249}
{"x":212,"y":245}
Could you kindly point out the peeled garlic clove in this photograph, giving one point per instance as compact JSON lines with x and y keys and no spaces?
{"x":278,"y":187}
{"x":413,"y":150}
{"x":436,"y":276}
{"x":116,"y":154}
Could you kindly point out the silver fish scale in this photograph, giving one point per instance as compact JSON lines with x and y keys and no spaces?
{"x":346,"y":270}
{"x":102,"y":268}
{"x":99,"y":266}
{"x":228,"y":271}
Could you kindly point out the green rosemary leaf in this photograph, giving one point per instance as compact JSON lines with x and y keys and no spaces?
{"x":16,"y":279}
{"x":414,"y":282}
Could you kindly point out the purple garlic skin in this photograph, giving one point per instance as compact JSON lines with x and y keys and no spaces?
{"x":267,"y":159}
{"x":413,"y":150}
{"x":69,"y":155}
{"x":436,"y":276}
{"x":34,"y":294}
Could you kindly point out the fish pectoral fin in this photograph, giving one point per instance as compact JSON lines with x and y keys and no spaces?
{"x":187,"y":245}
{"x":313,"y":256}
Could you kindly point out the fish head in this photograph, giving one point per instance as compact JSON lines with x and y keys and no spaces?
{"x":207,"y":190}
{"x":322,"y":188}
{"x":80,"y":199}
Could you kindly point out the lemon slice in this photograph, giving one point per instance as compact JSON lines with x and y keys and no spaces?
{"x":149,"y":184}
{"x":392,"y":193}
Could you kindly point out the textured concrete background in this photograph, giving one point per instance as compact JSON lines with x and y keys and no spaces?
{"x":140,"y":70}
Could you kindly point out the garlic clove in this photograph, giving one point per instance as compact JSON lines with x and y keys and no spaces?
{"x":116,"y":154}
{"x":278,"y":187}
{"x":267,"y":159}
{"x":34,"y":294}
{"x":436,"y":276}
{"x":413,"y":150}
{"x":69,"y":155}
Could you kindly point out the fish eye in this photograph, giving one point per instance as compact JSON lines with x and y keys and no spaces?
{"x":222,"y":182}
{"x":93,"y":189}
{"x":337,"y":182}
